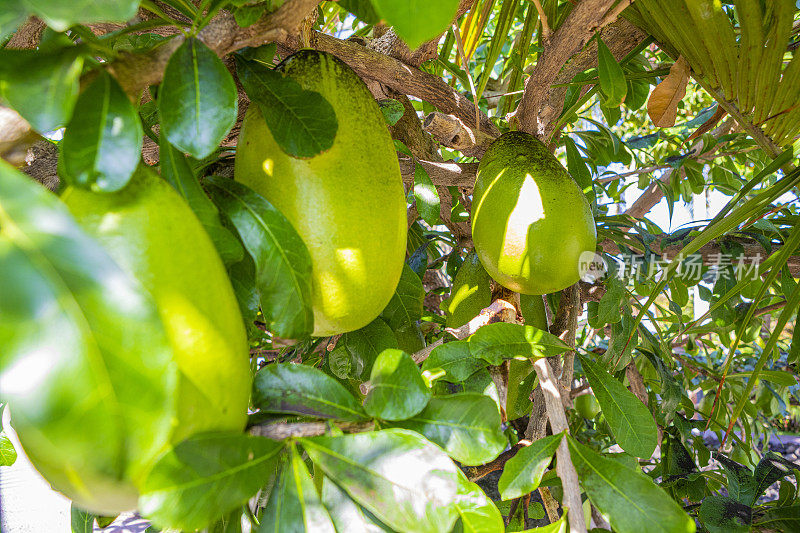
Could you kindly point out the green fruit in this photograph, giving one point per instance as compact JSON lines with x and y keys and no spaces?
{"x":347,"y":203}
{"x":150,"y":231}
{"x":471,"y":292}
{"x":587,"y":406}
{"x":530,"y":220}
{"x":533,"y":311}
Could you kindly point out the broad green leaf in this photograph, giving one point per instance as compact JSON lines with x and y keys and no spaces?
{"x":230,"y":523}
{"x":456,"y":359}
{"x":42,"y":86}
{"x":346,"y":514}
{"x":612,"y":77}
{"x":365,"y":344}
{"x":294,"y":504}
{"x":103,"y":141}
{"x":83,"y":344}
{"x":406,"y":482}
{"x":470,"y":293}
{"x":521,"y":381}
{"x":559,"y":526}
{"x":305,"y":391}
{"x":783,"y":519}
{"x":176,"y":170}
{"x":362,"y":9}
{"x":722,"y":514}
{"x":608,"y":309}
{"x":197,"y":100}
{"x":243,"y":281}
{"x":283,"y":264}
{"x":398,"y":390}
{"x":60,"y":15}
{"x":302,"y":122}
{"x":578,"y":169}
{"x":630,"y":499}
{"x":771,"y":468}
{"x":466,"y":425}
{"x":206,"y":476}
{"x":428,"y":203}
{"x":405,"y":306}
{"x":496,"y":342}
{"x":81,"y":521}
{"x":417,"y":21}
{"x":523,"y":472}
{"x":392,"y":110}
{"x":630,"y":420}
{"x":477,"y":513}
{"x":8,"y":455}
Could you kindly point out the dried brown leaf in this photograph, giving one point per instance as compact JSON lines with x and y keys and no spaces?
{"x":663,"y":103}
{"x":708,"y":124}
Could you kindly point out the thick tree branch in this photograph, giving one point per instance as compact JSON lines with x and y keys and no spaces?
{"x":540,"y":103}
{"x":447,"y":174}
{"x":397,"y":75}
{"x":222,"y":35}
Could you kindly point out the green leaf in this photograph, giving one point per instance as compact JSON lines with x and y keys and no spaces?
{"x":456,"y":359}
{"x":283,"y":264}
{"x":559,"y":526}
{"x":392,"y":110}
{"x":103,"y":141}
{"x":631,"y":500}
{"x":630,"y":420}
{"x":466,"y":425}
{"x":83,"y":344}
{"x":346,"y":514}
{"x":783,"y":519}
{"x":428,"y":203}
{"x":417,"y":21}
{"x":406,"y":482}
{"x":176,"y":170}
{"x":8,"y":455}
{"x":405,"y":307}
{"x":578,"y":169}
{"x":362,"y":9}
{"x":398,"y":390}
{"x":477,"y":513}
{"x":206,"y":476}
{"x":496,"y":342}
{"x":365,"y":344}
{"x":12,"y":16}
{"x":197,"y":100}
{"x":305,"y":391}
{"x":302,"y":122}
{"x":721,"y":514}
{"x":608,"y":309}
{"x":42,"y":86}
{"x":294,"y":504}
{"x":523,"y":472}
{"x":612,"y":77}
{"x":230,"y":523}
{"x":61,"y":15}
{"x":771,"y":468}
{"x":81,"y":521}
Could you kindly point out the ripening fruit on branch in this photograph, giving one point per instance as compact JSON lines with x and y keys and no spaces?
{"x":150,"y":231}
{"x":347,"y":203}
{"x":530,"y":220}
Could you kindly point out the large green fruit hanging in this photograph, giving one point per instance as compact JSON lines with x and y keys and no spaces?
{"x":347,"y":203}
{"x":530,"y":220}
{"x":150,"y":231}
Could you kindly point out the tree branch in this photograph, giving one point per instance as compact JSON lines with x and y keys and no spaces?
{"x":540,"y":103}
{"x":285,"y":430}
{"x":397,"y":75}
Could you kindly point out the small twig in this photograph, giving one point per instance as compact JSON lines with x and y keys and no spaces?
{"x":475,"y":473}
{"x":543,"y":20}
{"x":498,"y":311}
{"x":465,"y":66}
{"x":550,"y":504}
